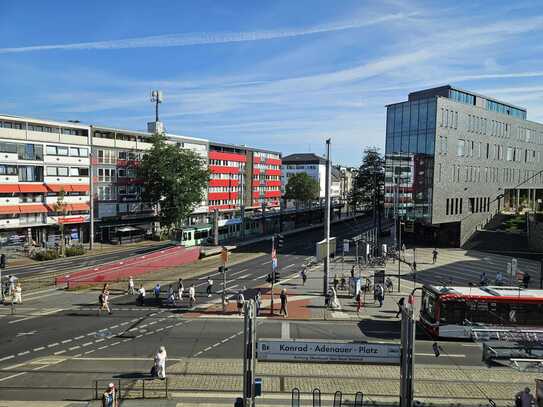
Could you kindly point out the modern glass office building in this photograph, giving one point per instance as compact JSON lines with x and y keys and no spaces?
{"x":454,"y":158}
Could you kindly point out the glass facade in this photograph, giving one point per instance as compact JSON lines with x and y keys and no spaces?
{"x":462,"y":97}
{"x":505,"y":109}
{"x":409,"y":155}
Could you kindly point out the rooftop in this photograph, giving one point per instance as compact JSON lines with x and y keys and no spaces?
{"x":304,"y":158}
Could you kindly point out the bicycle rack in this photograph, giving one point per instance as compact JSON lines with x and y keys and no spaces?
{"x":337,"y":398}
{"x":358,"y":399}
{"x":316,"y":397}
{"x":295,"y":397}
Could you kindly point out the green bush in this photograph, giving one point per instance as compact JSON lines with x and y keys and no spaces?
{"x":45,"y":255}
{"x":74,"y":251}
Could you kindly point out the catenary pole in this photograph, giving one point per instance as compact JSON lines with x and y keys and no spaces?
{"x":327,"y":219}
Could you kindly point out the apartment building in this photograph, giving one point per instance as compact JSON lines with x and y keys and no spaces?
{"x":120,"y":213}
{"x":242,"y":175}
{"x":44,"y":181}
{"x":454,"y":158}
{"x":314,"y":166}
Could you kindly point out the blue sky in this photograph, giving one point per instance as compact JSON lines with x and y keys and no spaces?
{"x":283,"y":75}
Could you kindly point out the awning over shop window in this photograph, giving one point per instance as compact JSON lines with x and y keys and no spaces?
{"x":8,"y":188}
{"x":9,"y":209}
{"x":33,"y":208}
{"x":26,"y":188}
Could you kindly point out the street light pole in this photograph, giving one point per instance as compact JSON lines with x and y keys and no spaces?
{"x":327,"y":219}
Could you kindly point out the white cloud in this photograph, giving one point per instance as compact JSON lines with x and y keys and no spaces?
{"x":182,"y":40}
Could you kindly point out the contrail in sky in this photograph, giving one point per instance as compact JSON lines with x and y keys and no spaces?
{"x":183,"y":40}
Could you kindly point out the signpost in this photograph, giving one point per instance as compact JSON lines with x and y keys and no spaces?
{"x":328,"y":351}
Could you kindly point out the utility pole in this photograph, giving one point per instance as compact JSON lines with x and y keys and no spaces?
{"x":407,"y":361}
{"x":2,"y":266}
{"x":249,"y":353}
{"x":327,"y":220}
{"x":215,"y":227}
{"x":273,"y":264}
{"x":224,"y":259}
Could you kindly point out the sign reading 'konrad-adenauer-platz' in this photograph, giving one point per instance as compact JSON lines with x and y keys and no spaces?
{"x":329,"y":351}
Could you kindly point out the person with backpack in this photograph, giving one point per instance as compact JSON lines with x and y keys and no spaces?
{"x":240,"y":300}
{"x":401,"y":303}
{"x":109,"y":396}
{"x":284,"y":303}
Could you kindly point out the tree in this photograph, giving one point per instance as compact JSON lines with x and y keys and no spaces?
{"x":302,"y":188}
{"x":174,"y":181}
{"x":60,"y":207}
{"x":369,"y":183}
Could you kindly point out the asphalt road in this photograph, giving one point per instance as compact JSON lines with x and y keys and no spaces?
{"x":69,"y":327}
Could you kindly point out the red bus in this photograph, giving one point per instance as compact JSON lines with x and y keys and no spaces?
{"x":455,"y":312}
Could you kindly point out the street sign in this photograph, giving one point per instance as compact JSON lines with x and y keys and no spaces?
{"x":328,"y":351}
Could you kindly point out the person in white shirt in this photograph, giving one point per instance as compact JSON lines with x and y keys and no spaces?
{"x":141,"y":295}
{"x":131,"y":286}
{"x":18,"y":296}
{"x":12,"y":280}
{"x":160,"y":362}
{"x":192,"y":295}
{"x":180,"y":289}
{"x":209,"y":288}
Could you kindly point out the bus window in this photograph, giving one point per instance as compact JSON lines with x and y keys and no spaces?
{"x":428,"y":306}
{"x":185,"y":238}
{"x":452,"y":312}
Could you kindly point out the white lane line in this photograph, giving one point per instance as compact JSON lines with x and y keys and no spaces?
{"x":238,"y":272}
{"x":74,"y":348}
{"x":102,"y":347}
{"x":79,"y":337}
{"x":266,"y":262}
{"x":42,"y":314}
{"x":115,"y":343}
{"x":67,"y":341}
{"x":290,"y":265}
{"x":12,"y":376}
{"x":224,"y":340}
{"x":7,"y":358}
{"x":26,"y":352}
{"x":59,"y":352}
{"x":99,"y":340}
{"x":447,"y":355}
{"x":52,"y":345}
{"x":208,"y":348}
{"x":111,"y":327}
{"x":38,"y":349}
{"x":86,"y":344}
{"x":285,"y":330}
{"x":262,"y":276}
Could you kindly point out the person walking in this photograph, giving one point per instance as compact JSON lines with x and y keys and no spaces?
{"x":157,"y":292}
{"x":304,"y":276}
{"x":336,"y":282}
{"x":526,"y":280}
{"x":18,"y":296}
{"x":352,"y":272}
{"x":130,"y":286}
{"x":414,"y":266}
{"x":401,"y":303}
{"x":103,"y":299}
{"x":524,"y":398}
{"x":180,"y":289}
{"x":284,"y":303}
{"x":192,"y":295}
{"x":483,"y":279}
{"x":499,"y":278}
{"x":434,"y":256}
{"x":380,"y":295}
{"x":109,"y":396}
{"x":358,"y":301}
{"x":11,"y":280}
{"x":160,"y":362}
{"x":240,"y":300}
{"x":258,"y":301}
{"x":141,"y":295}
{"x":209,"y":288}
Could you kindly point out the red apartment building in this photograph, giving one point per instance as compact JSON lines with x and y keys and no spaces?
{"x":242,"y":175}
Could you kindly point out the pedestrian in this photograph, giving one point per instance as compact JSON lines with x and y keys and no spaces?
{"x":157,"y":292}
{"x":12,"y":280}
{"x":171,"y":295}
{"x":103,"y":299}
{"x":18,"y":296}
{"x":526,"y":280}
{"x":499,"y":278}
{"x":389,"y":285}
{"x":336,"y":282}
{"x":352,"y":272}
{"x":209,"y":288}
{"x":335,"y":300}
{"x":141,"y":295}
{"x":434,"y":256}
{"x":401,"y":303}
{"x":403,"y":247}
{"x":483,"y":279}
{"x":524,"y":398}
{"x":304,"y":276}
{"x":240,"y":300}
{"x":414,"y":266}
{"x":358,"y":301}
{"x":131,"y":286}
{"x":284,"y":303}
{"x":328,"y":298}
{"x":109,"y":396}
{"x":343,"y":283}
{"x":192,"y":295}
{"x":180,"y":289}
{"x":160,"y":362}
{"x":258,"y":301}
{"x":380,"y":295}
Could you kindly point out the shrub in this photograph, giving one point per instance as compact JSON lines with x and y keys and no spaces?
{"x":74,"y":251}
{"x":42,"y":255}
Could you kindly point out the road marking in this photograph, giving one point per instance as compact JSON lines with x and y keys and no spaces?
{"x":59,"y":352}
{"x":79,"y":337}
{"x":36,"y":316}
{"x":38,"y":349}
{"x":266,"y":262}
{"x":262,"y":276}
{"x":285,"y":330}
{"x":445,"y":355}
{"x":23,"y":353}
{"x":12,"y":376}
{"x":7,"y":358}
{"x":74,"y":347}
{"x":86,"y":344}
{"x":67,"y":340}
{"x":290,"y":265}
{"x":53,"y":345}
{"x":243,"y":276}
{"x":26,"y":333}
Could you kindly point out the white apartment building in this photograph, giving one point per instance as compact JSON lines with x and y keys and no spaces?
{"x":41,"y":161}
{"x":314,"y":166}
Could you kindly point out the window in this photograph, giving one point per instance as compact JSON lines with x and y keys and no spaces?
{"x":460,"y":148}
{"x":51,"y":171}
{"x":62,"y":171}
{"x":30,"y":152}
{"x":51,"y":150}
{"x":447,"y":206}
{"x":30,"y":173}
{"x":62,"y":151}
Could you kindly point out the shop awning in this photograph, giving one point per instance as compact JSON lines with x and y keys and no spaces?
{"x":8,"y":209}
{"x":59,"y":187}
{"x":9,"y":188}
{"x":32,"y":188}
{"x":77,"y":219}
{"x":78,"y":207}
{"x":40,"y":208}
{"x":79,"y":187}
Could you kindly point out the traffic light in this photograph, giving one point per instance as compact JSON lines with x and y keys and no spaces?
{"x":223,"y":269}
{"x":279,"y":241}
{"x":3,"y":261}
{"x":276,"y":277}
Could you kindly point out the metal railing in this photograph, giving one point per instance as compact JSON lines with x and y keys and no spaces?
{"x":131,"y":389}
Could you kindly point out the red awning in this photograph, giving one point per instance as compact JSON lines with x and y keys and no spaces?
{"x":8,"y":188}
{"x":58,"y":187}
{"x":32,"y":188}
{"x":77,"y":219}
{"x":78,"y":207}
{"x":40,"y":208}
{"x":79,"y":187}
{"x":5,"y":209}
